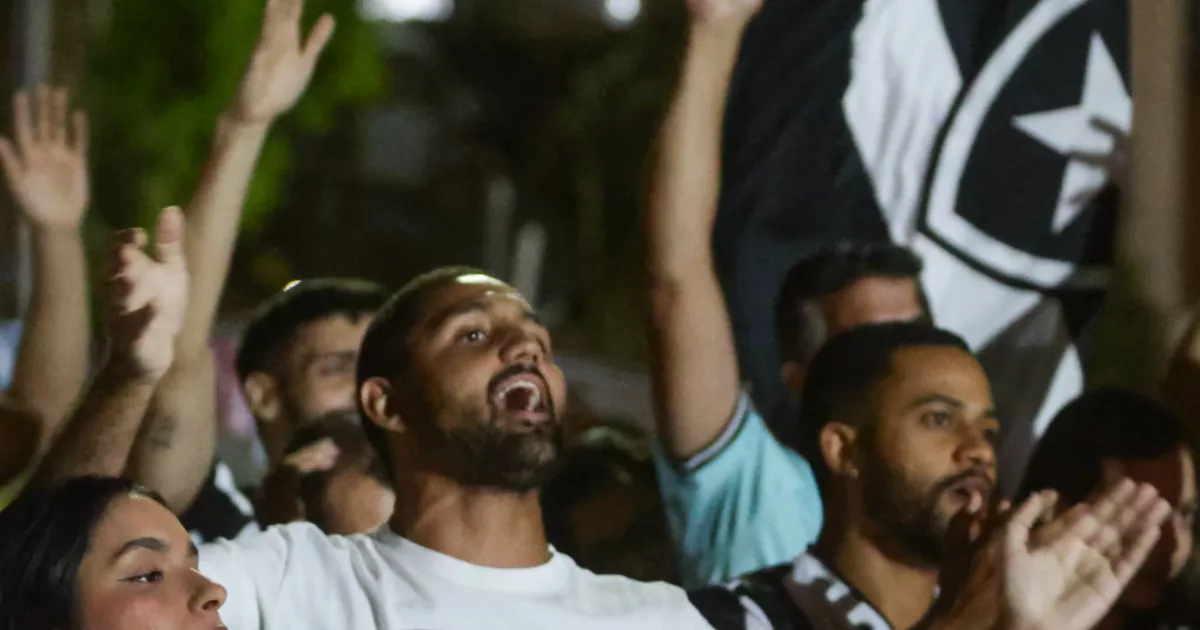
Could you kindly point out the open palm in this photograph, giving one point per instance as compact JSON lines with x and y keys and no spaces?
{"x":282,"y":64}
{"x":1067,"y":574}
{"x":46,"y":168}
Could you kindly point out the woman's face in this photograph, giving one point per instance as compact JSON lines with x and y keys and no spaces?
{"x":140,"y":573}
{"x":1174,"y":475}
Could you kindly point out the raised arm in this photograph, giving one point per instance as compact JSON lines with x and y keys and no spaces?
{"x":175,"y":449}
{"x":146,"y":297}
{"x":696,"y":371}
{"x":45,"y":167}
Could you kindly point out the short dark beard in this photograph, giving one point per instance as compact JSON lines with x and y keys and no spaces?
{"x":491,"y":457}
{"x":482,"y":453}
{"x":905,"y":513}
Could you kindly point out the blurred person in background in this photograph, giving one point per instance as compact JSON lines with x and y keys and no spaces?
{"x":461,"y":398}
{"x":603,"y":507}
{"x":46,"y":169}
{"x":102,"y":554}
{"x":723,"y":472}
{"x":1112,"y":433}
{"x":901,"y":438}
{"x":331,"y":477}
{"x":296,"y":362}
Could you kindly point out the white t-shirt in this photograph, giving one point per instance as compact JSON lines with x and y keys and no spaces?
{"x":294,"y":577}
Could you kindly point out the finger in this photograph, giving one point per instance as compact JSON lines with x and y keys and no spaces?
{"x":168,"y":236}
{"x":1109,"y":501}
{"x":272,"y":16}
{"x":1135,"y":554}
{"x":58,"y":124}
{"x":79,"y":140}
{"x":321,"y":33}
{"x":1024,"y":518}
{"x":45,"y":113}
{"x":22,"y":121}
{"x":10,"y":162}
{"x":286,"y":14}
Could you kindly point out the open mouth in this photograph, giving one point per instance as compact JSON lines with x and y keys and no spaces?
{"x":523,"y":395}
{"x":970,"y":487}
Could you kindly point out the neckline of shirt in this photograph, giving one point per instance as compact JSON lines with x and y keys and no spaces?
{"x":545,"y":579}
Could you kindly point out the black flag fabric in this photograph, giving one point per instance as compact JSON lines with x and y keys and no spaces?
{"x":967,"y":131}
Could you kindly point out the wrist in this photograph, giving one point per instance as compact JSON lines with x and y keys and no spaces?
{"x":718,"y":31}
{"x":127,"y":369}
{"x":51,"y":234}
{"x":232,"y":123}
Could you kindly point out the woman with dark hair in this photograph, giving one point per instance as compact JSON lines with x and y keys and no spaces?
{"x":98,"y":553}
{"x":1096,"y":440}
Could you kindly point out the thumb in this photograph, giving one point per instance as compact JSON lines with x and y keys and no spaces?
{"x":168,"y":236}
{"x":317,"y":39}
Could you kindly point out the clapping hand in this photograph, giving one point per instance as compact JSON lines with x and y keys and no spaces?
{"x":1063,"y":575}
{"x":147,"y":296}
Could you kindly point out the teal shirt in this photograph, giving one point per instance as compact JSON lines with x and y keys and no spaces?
{"x":744,"y":503}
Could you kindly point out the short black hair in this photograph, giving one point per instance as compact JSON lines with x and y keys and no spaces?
{"x":276,"y":321}
{"x":355,"y":454}
{"x":798,"y":318}
{"x":385,"y":352}
{"x":44,"y":536}
{"x":845,"y":372}
{"x":1108,"y":423}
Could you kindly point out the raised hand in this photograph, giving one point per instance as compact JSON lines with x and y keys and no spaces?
{"x":723,"y":11}
{"x":1067,"y":575}
{"x":46,"y":168}
{"x":1064,"y":575}
{"x":282,"y":64}
{"x":148,"y":296}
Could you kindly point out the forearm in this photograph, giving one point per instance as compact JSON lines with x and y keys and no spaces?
{"x":686,"y":183}
{"x":696,"y":374}
{"x":213,"y":218}
{"x":52,"y":363}
{"x":175,"y":448}
{"x":98,"y":436}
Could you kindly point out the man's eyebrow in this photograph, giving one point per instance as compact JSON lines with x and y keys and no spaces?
{"x":534,"y":317}
{"x":152,"y":544}
{"x":938,"y":398}
{"x":951,"y":401}
{"x":474,"y":306}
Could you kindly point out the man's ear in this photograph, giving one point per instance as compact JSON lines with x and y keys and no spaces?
{"x":263,"y":397}
{"x":793,"y":373}
{"x":839,"y":443}
{"x":380,"y":402}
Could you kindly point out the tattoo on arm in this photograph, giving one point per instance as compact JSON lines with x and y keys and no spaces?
{"x":160,"y":431}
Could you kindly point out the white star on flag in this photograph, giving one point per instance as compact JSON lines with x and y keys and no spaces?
{"x":1072,"y":131}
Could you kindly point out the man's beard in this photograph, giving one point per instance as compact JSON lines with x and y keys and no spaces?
{"x":491,"y":456}
{"x":911,"y":516}
{"x":489,"y":453}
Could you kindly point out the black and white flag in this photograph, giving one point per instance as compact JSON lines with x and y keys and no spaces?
{"x":958,"y":128}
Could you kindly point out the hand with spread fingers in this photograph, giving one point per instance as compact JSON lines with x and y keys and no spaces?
{"x":282,"y":64}
{"x":148,"y":296}
{"x":46,"y":165}
{"x":1064,"y":574}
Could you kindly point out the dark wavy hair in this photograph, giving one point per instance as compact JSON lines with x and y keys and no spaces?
{"x":44,"y":536}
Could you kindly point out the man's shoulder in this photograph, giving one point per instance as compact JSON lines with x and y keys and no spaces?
{"x":755,"y":600}
{"x":617,"y":593}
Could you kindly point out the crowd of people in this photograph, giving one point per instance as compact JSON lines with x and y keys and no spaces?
{"x":420,"y":475}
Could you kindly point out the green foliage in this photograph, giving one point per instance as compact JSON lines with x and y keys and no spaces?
{"x":163,"y":71}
